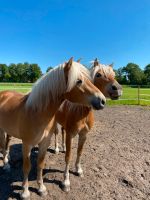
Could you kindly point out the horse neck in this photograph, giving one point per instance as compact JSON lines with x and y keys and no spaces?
{"x":44,"y":116}
{"x":81,"y":110}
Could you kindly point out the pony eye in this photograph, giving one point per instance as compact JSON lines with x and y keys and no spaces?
{"x":79,"y":82}
{"x":98,"y":75}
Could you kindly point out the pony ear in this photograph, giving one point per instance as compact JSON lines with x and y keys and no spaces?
{"x":79,"y":60}
{"x":68,"y":64}
{"x":111,"y":65}
{"x":96,"y":62}
{"x":67,"y":68}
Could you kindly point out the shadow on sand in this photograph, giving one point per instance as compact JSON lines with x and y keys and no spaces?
{"x":9,"y":180}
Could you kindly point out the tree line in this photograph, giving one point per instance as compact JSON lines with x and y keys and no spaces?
{"x":21,"y":72}
{"x":131,"y":74}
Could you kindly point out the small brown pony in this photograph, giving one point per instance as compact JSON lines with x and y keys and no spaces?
{"x":79,"y":119}
{"x":30,"y":117}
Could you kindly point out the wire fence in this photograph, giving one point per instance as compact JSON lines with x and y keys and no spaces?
{"x":136,"y":94}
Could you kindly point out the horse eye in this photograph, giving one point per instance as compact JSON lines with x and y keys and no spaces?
{"x":79,"y":82}
{"x":98,"y":75}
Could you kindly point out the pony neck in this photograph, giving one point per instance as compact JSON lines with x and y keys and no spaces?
{"x":47,"y":91}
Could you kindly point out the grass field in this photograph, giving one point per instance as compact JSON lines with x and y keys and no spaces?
{"x":129,"y":97}
{"x":19,"y":87}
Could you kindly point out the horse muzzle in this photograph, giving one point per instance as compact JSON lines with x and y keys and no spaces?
{"x":98,"y":103}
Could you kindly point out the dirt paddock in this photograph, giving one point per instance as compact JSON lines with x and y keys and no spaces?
{"x":116,"y":161}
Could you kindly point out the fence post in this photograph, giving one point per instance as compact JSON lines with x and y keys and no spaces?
{"x":138,"y":94}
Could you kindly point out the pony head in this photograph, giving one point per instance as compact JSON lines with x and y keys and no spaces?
{"x":80,"y":89}
{"x":104,"y":78}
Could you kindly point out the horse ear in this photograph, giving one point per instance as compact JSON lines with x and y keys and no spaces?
{"x":96,"y":62}
{"x":67,"y":68}
{"x":79,"y":60}
{"x":111,"y":65}
{"x":68,"y":64}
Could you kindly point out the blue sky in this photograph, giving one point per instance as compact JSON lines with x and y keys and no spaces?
{"x":48,"y":32}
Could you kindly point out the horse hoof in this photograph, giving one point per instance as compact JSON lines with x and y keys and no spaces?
{"x":64,"y":149}
{"x":66,"y":188}
{"x":80,"y":174}
{"x":57,"y":151}
{"x":25,"y":196}
{"x":42,"y":193}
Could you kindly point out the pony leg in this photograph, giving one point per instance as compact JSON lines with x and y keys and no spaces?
{"x":56,"y":140}
{"x":6,"y":153}
{"x":66,"y":183}
{"x":4,"y":145}
{"x":63,"y":139}
{"x":26,"y":169}
{"x":81,"y":142}
{"x":43,"y":146}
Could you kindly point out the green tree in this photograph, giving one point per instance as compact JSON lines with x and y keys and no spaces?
{"x":13,"y":72}
{"x":49,"y":68}
{"x":147,"y":74}
{"x":4,"y":73}
{"x":20,"y":72}
{"x":33,"y":72}
{"x":121,"y":76}
{"x":133,"y":73}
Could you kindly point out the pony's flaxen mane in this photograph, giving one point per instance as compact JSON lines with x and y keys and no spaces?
{"x":53,"y":84}
{"x":106,"y":69}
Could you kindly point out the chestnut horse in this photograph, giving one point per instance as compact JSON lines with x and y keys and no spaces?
{"x":79,"y":119}
{"x":30,"y":117}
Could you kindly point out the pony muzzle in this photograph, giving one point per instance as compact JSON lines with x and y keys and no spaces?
{"x":98,"y":103}
{"x":115,"y":91}
{"x":114,"y":95}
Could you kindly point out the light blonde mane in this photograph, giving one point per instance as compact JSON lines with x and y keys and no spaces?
{"x":106,"y":69}
{"x":52,"y":85}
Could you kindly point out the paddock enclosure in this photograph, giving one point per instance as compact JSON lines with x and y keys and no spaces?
{"x":116,"y":161}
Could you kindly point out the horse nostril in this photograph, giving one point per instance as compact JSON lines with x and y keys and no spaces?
{"x":103,"y":102}
{"x":114,"y":87}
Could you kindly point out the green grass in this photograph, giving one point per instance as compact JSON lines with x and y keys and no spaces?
{"x":129,"y":96}
{"x":19,"y":87}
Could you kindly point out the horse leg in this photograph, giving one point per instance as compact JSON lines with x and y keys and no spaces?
{"x":26,"y":169}
{"x":66,"y":183}
{"x":6,"y":153}
{"x":4,"y":145}
{"x":43,"y":146}
{"x":56,"y":140}
{"x":81,"y":142}
{"x":63,"y":139}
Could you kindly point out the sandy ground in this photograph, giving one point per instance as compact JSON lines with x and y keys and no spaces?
{"x":116,"y":161}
